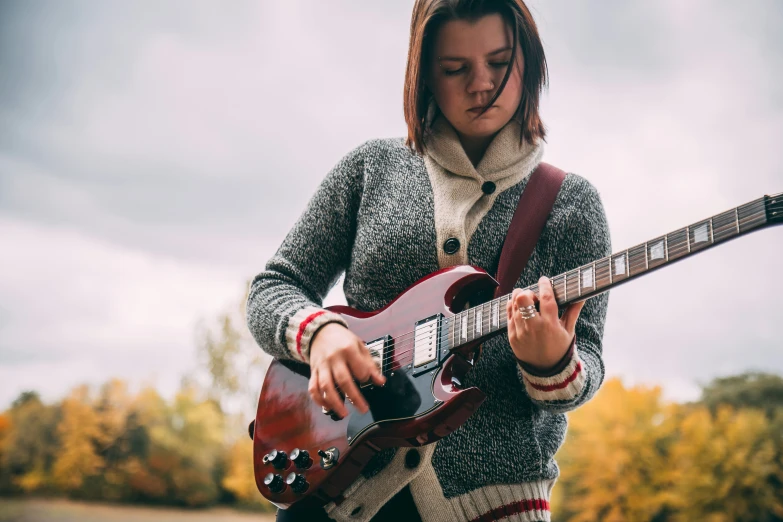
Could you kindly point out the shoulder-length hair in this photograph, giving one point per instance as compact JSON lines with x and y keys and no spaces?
{"x":428,"y":16}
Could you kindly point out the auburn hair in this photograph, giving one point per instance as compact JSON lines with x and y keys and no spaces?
{"x":427,"y":18}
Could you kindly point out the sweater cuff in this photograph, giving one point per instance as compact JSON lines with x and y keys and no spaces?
{"x":554,"y":370}
{"x":562,"y":386}
{"x":302,"y":327}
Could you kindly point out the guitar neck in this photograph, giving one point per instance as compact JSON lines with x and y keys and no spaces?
{"x":584,"y":282}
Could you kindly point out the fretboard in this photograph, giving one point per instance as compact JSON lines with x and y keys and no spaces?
{"x":602,"y":274}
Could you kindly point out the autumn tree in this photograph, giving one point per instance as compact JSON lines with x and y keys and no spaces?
{"x":614,"y":460}
{"x":31,"y":445}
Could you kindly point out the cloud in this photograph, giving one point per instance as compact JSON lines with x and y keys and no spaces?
{"x":152,"y":161}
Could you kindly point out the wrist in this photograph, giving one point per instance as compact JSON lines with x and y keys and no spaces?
{"x":553,"y":369}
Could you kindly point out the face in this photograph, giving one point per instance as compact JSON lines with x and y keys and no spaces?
{"x":466,"y":69}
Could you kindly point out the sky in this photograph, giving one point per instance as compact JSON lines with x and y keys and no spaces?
{"x":153,"y":156}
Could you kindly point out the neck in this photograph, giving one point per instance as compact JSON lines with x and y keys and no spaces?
{"x":488,"y":319}
{"x":475,"y":147}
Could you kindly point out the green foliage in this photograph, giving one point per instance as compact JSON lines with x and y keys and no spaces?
{"x":762,"y":391}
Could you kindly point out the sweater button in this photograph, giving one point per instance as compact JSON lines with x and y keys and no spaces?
{"x":451,"y":246}
{"x":412,"y":459}
{"x":488,"y":187}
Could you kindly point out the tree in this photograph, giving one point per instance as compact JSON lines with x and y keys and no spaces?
{"x":614,"y":459}
{"x":750,"y":390}
{"x":80,"y":433}
{"x":31,"y":444}
{"x":723,"y":467}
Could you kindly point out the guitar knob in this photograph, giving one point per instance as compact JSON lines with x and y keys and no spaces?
{"x":274,"y":482}
{"x":277,"y":458}
{"x":301,"y":458}
{"x":297,"y":482}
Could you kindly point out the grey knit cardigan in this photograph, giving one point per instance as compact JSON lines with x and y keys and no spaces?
{"x":373,"y":218}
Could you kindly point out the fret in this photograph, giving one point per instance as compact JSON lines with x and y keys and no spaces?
{"x":620,"y":266}
{"x":603,"y":273}
{"x":479,"y":320}
{"x":557,"y":282}
{"x":646,"y":255}
{"x":666,"y":246}
{"x":463,"y":317}
{"x":454,"y":329}
{"x":752,"y":215}
{"x":700,"y":235}
{"x":712,"y":240}
{"x":736,"y":217}
{"x":495,"y":314}
{"x":677,"y":242}
{"x":637,"y":260}
{"x":588,"y":279}
{"x":724,"y":226}
{"x":573,"y":282}
{"x":565,"y":287}
{"x":688,"y":237}
{"x":656,"y":255}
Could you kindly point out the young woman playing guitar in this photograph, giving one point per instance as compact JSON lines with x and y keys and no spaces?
{"x":395,"y":210}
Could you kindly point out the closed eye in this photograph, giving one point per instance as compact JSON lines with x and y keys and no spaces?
{"x":496,"y":65}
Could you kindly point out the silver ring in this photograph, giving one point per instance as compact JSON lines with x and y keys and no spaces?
{"x":528,"y":312}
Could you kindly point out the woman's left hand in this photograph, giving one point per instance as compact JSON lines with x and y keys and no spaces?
{"x":543,"y":340}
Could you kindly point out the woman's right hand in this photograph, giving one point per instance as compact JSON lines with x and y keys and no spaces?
{"x":338,"y":356}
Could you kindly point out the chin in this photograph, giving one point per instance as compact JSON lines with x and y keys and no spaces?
{"x":481,"y":128}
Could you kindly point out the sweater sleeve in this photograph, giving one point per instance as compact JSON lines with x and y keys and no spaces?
{"x":584,"y":239}
{"x":284,"y":302}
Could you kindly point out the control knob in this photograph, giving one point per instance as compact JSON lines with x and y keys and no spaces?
{"x":301,"y":458}
{"x":274,"y":482}
{"x":297,"y":482}
{"x":277,"y":458}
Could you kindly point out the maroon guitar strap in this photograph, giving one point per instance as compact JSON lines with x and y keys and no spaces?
{"x":531,"y":214}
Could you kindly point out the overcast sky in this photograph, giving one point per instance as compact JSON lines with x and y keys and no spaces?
{"x":153,"y":156}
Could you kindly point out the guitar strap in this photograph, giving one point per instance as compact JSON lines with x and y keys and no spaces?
{"x":531,"y":214}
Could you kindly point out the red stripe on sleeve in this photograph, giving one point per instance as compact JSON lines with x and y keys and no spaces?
{"x":302,"y":328}
{"x":560,"y":385}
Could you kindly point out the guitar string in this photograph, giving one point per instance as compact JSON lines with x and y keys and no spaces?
{"x":676,"y":249}
{"x":673,"y":250}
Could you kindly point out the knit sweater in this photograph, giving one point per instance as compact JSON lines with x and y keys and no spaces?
{"x":382,"y":216}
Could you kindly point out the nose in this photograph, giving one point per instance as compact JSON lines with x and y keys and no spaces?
{"x":480,"y":80}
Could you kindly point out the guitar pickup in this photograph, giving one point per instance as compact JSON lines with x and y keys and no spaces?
{"x":381,"y":351}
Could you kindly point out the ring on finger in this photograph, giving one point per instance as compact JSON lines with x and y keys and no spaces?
{"x":528,"y":312}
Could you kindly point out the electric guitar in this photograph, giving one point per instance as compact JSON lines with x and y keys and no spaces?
{"x":424,"y":342}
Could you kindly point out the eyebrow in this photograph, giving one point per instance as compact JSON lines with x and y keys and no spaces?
{"x":460,"y":58}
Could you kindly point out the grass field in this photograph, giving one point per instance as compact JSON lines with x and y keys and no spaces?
{"x":38,"y":510}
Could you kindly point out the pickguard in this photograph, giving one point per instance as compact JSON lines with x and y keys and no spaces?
{"x":402,"y":397}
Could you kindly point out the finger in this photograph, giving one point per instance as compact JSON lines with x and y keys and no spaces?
{"x":525,"y":298}
{"x":512,"y":325}
{"x":345,"y":380}
{"x":376,"y":374}
{"x":364,"y":368}
{"x":570,"y":316}
{"x":314,"y":388}
{"x":547,"y":304}
{"x":331,"y":399}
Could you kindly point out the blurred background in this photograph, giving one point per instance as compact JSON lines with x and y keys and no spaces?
{"x":154,"y":155}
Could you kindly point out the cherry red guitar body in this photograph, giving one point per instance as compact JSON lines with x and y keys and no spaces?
{"x":420,"y":403}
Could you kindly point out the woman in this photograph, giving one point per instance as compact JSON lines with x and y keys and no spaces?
{"x":392,"y":211}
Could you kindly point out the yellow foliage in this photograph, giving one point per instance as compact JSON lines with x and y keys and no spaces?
{"x":611,"y":462}
{"x":79,"y":431}
{"x":723,"y":466}
{"x":239,"y":478}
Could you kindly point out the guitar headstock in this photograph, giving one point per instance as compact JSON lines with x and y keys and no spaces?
{"x":773,"y":204}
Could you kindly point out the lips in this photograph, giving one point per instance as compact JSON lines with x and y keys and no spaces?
{"x":478,"y":109}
